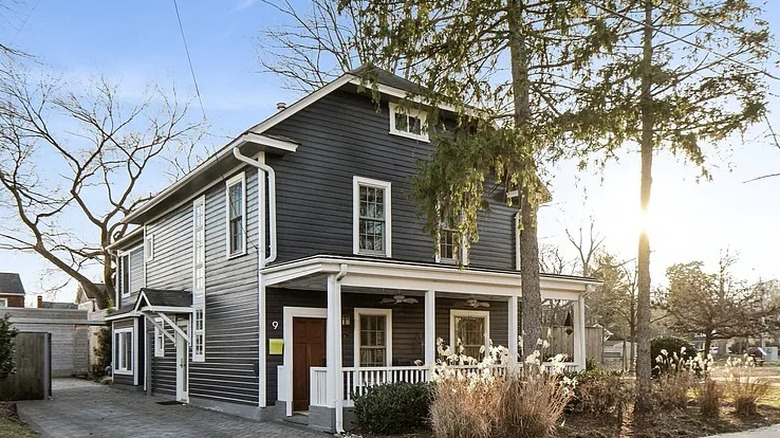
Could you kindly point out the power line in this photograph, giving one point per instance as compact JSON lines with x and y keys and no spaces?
{"x":189,"y":59}
{"x":683,"y":40}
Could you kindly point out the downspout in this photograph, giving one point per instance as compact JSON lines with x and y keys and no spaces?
{"x":262,"y":261}
{"x":271,"y":177}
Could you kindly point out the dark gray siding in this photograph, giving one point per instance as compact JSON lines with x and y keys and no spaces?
{"x":229,"y":372}
{"x":171,"y":266}
{"x":276,"y":300}
{"x":341,"y":136}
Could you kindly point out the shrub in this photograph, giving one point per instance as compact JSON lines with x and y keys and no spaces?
{"x":670,"y":391}
{"x":602,"y":394}
{"x":7,"y":344}
{"x":393,"y":408}
{"x":102,"y":352}
{"x":744,"y":388}
{"x":677,"y":350}
{"x":709,"y":395}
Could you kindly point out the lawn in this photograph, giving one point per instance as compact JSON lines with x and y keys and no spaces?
{"x":10,"y":425}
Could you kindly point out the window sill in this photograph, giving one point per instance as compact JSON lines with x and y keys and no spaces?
{"x":123,"y":372}
{"x":422,"y":138}
{"x":236,"y":255}
{"x":372,"y":254}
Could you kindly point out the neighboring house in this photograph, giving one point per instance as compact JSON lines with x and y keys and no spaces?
{"x":55,"y":305}
{"x":90,"y":300}
{"x":290,"y":268}
{"x":11,"y":290}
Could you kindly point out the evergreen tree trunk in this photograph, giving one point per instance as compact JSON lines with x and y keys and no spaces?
{"x":529,"y":246}
{"x":642,"y":403}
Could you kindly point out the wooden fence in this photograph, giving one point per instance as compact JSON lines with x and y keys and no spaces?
{"x":32,"y":379}
{"x":561,"y":340}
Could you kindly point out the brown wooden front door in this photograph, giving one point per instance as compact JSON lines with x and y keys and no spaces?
{"x":308,"y":351}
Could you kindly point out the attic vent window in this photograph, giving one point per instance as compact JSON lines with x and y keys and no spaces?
{"x":408,"y":122}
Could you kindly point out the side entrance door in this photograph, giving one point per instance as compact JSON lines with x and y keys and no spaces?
{"x":308,"y":351}
{"x":182,"y":365}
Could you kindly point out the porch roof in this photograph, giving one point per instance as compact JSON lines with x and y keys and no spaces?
{"x":373,"y":272}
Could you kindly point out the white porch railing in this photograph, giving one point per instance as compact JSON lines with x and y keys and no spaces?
{"x":357,"y":380}
{"x":318,"y":386}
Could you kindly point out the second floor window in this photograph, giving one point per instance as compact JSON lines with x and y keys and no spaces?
{"x":372,"y":219}
{"x":236,"y":215}
{"x":124,"y":274}
{"x":408,"y":122}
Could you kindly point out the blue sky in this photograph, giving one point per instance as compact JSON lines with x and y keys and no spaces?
{"x":137,"y":43}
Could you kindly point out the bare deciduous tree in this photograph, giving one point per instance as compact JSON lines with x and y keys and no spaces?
{"x":71,"y":164}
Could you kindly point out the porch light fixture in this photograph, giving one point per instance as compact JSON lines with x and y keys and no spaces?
{"x":345,"y":321}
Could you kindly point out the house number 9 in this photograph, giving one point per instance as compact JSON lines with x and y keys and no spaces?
{"x":275,"y":325}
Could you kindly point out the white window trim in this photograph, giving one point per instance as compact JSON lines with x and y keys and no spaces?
{"x":3,"y":302}
{"x":199,"y":294}
{"x":121,"y":276}
{"x":464,"y":251}
{"x":422,"y":115}
{"x":388,"y":314}
{"x":120,"y":348}
{"x":240,"y":178}
{"x":149,"y":247}
{"x":159,"y":339}
{"x":517,"y":241}
{"x":473,"y":313}
{"x":357,"y":182}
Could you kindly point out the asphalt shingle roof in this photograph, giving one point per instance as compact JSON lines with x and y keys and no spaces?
{"x":11,"y":283}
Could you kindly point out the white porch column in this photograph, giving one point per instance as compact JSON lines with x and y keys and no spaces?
{"x":333,"y":349}
{"x":430,"y":327}
{"x":512,"y":309}
{"x":579,"y":333}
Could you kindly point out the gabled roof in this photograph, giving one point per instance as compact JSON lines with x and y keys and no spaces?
{"x":156,"y":298}
{"x":11,"y":283}
{"x":255,"y":140}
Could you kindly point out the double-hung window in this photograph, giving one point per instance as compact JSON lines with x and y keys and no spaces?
{"x":3,"y":302}
{"x":123,"y":351}
{"x":199,"y":280}
{"x":373,"y":337}
{"x":408,"y":122}
{"x":372,"y":217}
{"x":236,"y":215}
{"x":469,"y":329}
{"x":149,"y":247}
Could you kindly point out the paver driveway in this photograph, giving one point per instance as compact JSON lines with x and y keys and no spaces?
{"x":85,"y":409}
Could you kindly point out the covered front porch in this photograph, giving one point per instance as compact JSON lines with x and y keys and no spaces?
{"x":387,"y":317}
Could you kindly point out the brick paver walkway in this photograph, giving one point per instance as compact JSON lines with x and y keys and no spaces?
{"x":84,"y":409}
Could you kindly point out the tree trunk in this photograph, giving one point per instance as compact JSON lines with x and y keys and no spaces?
{"x":632,"y":332}
{"x":642,"y":403}
{"x":707,"y":342}
{"x":529,"y":245}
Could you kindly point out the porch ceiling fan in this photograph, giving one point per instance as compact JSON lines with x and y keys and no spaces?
{"x":399,"y":299}
{"x":475,"y":304}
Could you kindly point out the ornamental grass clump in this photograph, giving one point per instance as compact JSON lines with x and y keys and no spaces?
{"x":488,"y":399}
{"x":744,"y":388}
{"x":602,"y":394}
{"x":709,"y":395}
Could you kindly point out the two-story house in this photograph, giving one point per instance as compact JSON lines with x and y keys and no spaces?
{"x":290,"y":269}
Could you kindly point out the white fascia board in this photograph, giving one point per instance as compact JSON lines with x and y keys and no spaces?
{"x":370,"y":273}
{"x":126,"y":238}
{"x":227,"y":150}
{"x":132,"y":314}
{"x":302,"y":103}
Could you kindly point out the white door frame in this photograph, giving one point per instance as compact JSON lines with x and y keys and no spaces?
{"x":289,"y":314}
{"x":182,"y":368}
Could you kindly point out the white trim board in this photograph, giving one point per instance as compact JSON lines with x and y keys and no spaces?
{"x":388,"y":314}
{"x":288,"y":314}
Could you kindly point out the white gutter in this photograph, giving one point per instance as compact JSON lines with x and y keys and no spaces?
{"x":271,"y":175}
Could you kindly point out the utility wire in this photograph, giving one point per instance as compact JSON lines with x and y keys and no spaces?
{"x":189,"y":59}
{"x":683,"y":40}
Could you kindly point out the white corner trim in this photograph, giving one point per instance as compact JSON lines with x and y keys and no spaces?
{"x":236,"y":179}
{"x":473,"y":313}
{"x":357,"y":182}
{"x":288,"y":314}
{"x":388,"y":314}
